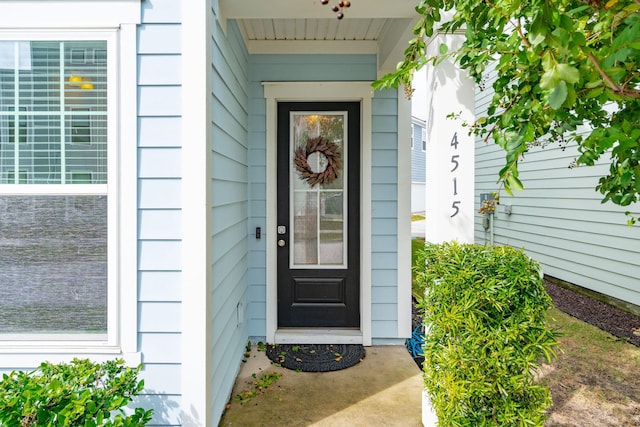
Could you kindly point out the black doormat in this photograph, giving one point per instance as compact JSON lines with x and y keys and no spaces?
{"x":315,"y":357}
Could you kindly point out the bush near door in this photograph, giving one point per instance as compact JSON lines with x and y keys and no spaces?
{"x":484,"y":310}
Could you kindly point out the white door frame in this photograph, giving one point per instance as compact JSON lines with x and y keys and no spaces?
{"x":362,"y":92}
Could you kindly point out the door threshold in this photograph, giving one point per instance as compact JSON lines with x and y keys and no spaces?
{"x":318,"y":336}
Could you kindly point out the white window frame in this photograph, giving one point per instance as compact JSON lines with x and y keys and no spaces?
{"x":114,"y":21}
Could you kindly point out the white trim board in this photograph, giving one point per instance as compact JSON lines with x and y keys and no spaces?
{"x":38,"y":14}
{"x":320,"y":91}
{"x":197,"y":377}
{"x":404,"y":217}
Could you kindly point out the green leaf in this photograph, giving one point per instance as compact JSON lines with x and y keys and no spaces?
{"x":593,"y":93}
{"x":513,"y":182}
{"x":549,"y":80}
{"x":536,"y":33}
{"x":443,"y":49}
{"x":567,"y":73}
{"x":558,"y":95}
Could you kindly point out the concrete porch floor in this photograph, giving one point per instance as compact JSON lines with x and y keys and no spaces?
{"x":385,"y":389}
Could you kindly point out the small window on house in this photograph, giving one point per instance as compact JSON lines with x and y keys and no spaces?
{"x":53,"y":248}
{"x":424,"y":139}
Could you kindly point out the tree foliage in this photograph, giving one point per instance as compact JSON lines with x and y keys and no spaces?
{"x":566,"y":70}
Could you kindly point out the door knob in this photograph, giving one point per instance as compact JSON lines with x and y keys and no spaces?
{"x":281,"y":243}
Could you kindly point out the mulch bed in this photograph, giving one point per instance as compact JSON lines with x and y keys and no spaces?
{"x":617,"y":322}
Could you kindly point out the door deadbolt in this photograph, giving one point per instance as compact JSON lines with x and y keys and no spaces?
{"x":281,"y":243}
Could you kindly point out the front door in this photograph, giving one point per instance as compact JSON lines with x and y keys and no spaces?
{"x":318,"y":186}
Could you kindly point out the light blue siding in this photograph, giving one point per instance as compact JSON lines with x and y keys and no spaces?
{"x":559,"y":219}
{"x":384,"y":181}
{"x":159,"y":131}
{"x":160,"y":224}
{"x":159,"y":38}
{"x":159,"y":101}
{"x":418,"y":155}
{"x":159,"y":193}
{"x":164,"y":378}
{"x":159,"y":214}
{"x":159,"y":255}
{"x":229,"y":151}
{"x":159,"y":163}
{"x":161,"y":11}
{"x":159,"y":286}
{"x":159,"y":317}
{"x":159,"y":69}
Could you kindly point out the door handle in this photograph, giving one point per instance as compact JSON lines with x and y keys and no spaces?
{"x":282,"y":243}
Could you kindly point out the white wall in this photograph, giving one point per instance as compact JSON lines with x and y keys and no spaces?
{"x":450,"y":170}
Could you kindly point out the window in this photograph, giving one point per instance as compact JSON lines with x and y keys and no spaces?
{"x":54,"y":235}
{"x":424,"y":139}
{"x":68,"y":181}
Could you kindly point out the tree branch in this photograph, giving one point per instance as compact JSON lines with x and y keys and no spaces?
{"x":630,"y":93}
{"x":517,"y":26}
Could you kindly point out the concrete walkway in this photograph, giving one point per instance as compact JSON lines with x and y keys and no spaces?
{"x":384,"y":389}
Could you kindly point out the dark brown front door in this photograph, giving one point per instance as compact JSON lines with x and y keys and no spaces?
{"x":318,"y":214}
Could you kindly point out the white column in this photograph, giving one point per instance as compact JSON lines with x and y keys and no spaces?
{"x":197,"y":377}
{"x":450,"y":149}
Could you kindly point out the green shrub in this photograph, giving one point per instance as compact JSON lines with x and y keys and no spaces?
{"x":80,"y":393}
{"x":484,"y":308}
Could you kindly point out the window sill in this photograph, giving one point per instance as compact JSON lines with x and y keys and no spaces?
{"x":32,"y":357}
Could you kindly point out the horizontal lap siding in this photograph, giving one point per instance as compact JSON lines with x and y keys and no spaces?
{"x":418,"y":156}
{"x":159,"y":212}
{"x":559,"y":218}
{"x":384,"y":213}
{"x":230,"y":193}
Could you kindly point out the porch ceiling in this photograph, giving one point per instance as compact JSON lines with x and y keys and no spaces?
{"x":307,"y":26}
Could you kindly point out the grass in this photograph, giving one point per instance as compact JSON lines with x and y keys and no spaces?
{"x":594,"y":381}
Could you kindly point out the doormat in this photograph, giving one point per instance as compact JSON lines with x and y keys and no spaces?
{"x":315,"y":357}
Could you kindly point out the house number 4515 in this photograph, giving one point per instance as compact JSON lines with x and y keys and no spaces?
{"x":455,"y":162}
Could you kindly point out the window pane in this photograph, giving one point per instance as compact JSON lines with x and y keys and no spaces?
{"x":305,"y":228}
{"x":319,"y":225}
{"x":53,"y":111}
{"x":331,"y":228}
{"x":53,"y":264}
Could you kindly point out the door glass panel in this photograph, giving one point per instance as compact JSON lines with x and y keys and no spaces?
{"x":318,"y":189}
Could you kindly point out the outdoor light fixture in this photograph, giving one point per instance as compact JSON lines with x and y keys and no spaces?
{"x":339,"y":7}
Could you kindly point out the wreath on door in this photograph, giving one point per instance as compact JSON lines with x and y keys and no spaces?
{"x":324,"y":147}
